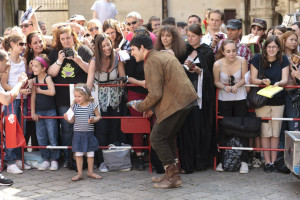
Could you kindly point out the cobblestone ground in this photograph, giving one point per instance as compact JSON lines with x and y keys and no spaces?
{"x":34,"y":184}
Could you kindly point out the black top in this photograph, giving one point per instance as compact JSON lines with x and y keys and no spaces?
{"x":43,"y":102}
{"x":272,"y":72}
{"x":70,"y":73}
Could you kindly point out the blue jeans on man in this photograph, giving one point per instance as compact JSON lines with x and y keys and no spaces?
{"x":47,"y":133}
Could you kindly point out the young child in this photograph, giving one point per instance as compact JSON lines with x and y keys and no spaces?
{"x":85,"y":115}
{"x":15,"y":45}
{"x":42,"y":104}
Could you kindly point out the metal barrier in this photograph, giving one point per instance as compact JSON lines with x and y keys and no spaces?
{"x":263,"y":118}
{"x":124,"y":127}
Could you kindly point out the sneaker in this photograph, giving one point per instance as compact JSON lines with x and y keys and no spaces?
{"x":44,"y":166}
{"x":124,"y":170}
{"x":244,"y":168}
{"x":256,"y":162}
{"x":19,"y":164}
{"x":219,"y":168}
{"x":5,"y":181}
{"x":103,"y":168}
{"x":139,"y":164}
{"x":54,"y":165}
{"x":66,"y":164}
{"x":268,"y":168}
{"x":14,"y":169}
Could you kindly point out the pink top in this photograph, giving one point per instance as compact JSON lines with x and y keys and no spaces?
{"x":130,"y":35}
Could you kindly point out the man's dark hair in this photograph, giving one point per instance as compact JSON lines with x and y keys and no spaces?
{"x":142,"y":39}
{"x":169,"y":21}
{"x":3,"y":55}
{"x":217,"y":11}
{"x":199,"y":19}
{"x":296,"y":23}
{"x":181,"y":24}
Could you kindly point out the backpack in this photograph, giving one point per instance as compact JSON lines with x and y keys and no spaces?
{"x":231,"y":158}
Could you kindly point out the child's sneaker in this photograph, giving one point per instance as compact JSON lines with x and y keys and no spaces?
{"x":13,"y":169}
{"x":54,"y":165}
{"x":244,"y":168}
{"x":103,"y":168}
{"x":44,"y":166}
{"x":219,"y":168}
{"x":19,"y":164}
{"x":256,"y":162}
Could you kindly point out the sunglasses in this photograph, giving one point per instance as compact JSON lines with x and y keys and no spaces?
{"x":62,"y":26}
{"x":95,"y":28}
{"x":87,"y":35}
{"x":133,"y":23}
{"x":231,"y":80}
{"x":22,"y":43}
{"x":25,"y":25}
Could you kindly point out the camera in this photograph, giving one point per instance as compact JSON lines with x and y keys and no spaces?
{"x":123,"y":78}
{"x":220,"y":36}
{"x":69,"y":52}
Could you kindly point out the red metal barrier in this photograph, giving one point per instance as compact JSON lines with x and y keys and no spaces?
{"x":133,"y":122}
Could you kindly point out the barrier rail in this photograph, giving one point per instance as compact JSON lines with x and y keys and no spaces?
{"x":147,"y":129}
{"x":263,"y":118}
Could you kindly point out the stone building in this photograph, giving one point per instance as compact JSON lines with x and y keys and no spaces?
{"x":53,"y":11}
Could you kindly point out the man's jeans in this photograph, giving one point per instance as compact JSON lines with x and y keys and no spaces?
{"x":47,"y":133}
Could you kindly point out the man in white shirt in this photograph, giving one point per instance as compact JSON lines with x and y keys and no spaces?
{"x":214,"y":34}
{"x":103,"y":10}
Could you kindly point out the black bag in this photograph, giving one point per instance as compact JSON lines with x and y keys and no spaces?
{"x":253,"y":99}
{"x":247,"y":127}
{"x":280,"y":165}
{"x":231,"y":159}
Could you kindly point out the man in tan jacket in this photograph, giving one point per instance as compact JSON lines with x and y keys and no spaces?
{"x":171,"y":95}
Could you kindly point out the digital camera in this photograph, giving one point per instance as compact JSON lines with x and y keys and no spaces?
{"x":69,"y":52}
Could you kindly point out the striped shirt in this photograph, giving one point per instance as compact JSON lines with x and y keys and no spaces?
{"x":82,"y":114}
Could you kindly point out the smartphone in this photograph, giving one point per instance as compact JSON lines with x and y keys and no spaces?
{"x":294,"y":67}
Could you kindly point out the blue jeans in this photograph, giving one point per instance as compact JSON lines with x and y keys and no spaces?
{"x":16,"y":153}
{"x":66,"y":130}
{"x":47,"y":133}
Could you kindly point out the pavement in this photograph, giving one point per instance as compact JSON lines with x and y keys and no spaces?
{"x":34,"y":184}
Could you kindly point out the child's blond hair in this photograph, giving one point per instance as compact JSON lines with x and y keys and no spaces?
{"x":83,"y":89}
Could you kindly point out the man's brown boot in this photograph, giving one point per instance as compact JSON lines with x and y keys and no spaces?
{"x":172,"y":178}
{"x":156,"y":179}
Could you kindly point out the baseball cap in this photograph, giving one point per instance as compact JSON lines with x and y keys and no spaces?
{"x":259,"y":22}
{"x":234,"y":24}
{"x":77,"y":18}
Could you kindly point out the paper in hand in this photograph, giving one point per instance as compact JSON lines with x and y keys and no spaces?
{"x":28,"y":14}
{"x":70,"y":114}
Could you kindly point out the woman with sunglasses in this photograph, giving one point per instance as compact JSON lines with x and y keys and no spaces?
{"x":196,"y":137}
{"x":275,"y":68}
{"x":94,"y":27}
{"x":15,"y":44}
{"x":69,"y":63}
{"x":229,"y":77}
{"x":105,"y":68}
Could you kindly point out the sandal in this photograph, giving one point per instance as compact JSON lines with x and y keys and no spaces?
{"x":77,"y":178}
{"x":95,"y":176}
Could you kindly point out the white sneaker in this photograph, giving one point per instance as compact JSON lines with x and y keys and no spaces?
{"x":19,"y":164}
{"x":13,"y":169}
{"x":256,"y":163}
{"x":54,"y":165}
{"x":244,"y":168}
{"x":44,"y":166}
{"x":219,"y":168}
{"x":103,"y":168}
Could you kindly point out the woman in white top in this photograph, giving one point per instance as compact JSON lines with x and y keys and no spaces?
{"x":105,"y":68}
{"x":229,"y":71}
{"x":15,"y":45}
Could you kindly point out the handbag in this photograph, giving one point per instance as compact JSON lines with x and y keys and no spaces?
{"x":255,"y":100}
{"x":117,"y":157}
{"x":247,"y":127}
{"x":13,"y":132}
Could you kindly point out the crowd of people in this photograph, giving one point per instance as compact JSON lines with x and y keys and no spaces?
{"x":91,"y":53}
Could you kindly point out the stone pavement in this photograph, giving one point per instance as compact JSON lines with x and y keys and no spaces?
{"x":34,"y":184}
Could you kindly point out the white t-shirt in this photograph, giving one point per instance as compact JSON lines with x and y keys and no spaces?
{"x":105,"y":10}
{"x":207,"y":39}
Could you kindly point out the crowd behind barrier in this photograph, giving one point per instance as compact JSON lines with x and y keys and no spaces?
{"x":219,"y":62}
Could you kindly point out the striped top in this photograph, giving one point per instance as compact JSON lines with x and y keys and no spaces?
{"x":82,"y":114}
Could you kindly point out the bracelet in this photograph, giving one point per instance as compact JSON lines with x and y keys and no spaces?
{"x":58,"y":63}
{"x":262,"y":82}
{"x":224,"y":88}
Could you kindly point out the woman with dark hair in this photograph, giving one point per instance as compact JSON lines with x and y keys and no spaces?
{"x":279,"y":31}
{"x":258,"y":28}
{"x":105,"y":68}
{"x":275,"y":67}
{"x":196,"y":139}
{"x":69,"y":63}
{"x":169,"y":40}
{"x":229,"y":77}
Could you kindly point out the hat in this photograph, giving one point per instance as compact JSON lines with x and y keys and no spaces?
{"x":234,"y":24}
{"x":259,"y":22}
{"x":77,"y":18}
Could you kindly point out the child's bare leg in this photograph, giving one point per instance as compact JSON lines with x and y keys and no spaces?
{"x":90,"y":161}
{"x":79,"y":163}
